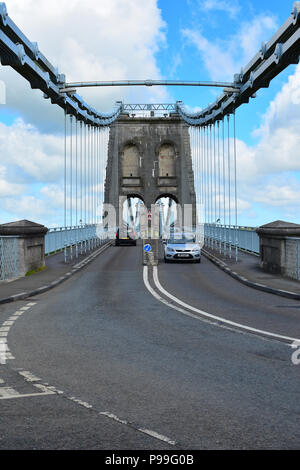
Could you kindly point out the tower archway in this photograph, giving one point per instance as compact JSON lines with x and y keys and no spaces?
{"x":168,"y":214}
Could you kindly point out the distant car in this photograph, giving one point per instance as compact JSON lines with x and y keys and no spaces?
{"x":128,"y":237}
{"x":182,"y":249}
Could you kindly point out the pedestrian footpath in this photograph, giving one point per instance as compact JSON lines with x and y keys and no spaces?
{"x":248,"y":271}
{"x":56,"y":272}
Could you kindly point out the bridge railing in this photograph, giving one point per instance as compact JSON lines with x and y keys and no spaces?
{"x":73,"y":240}
{"x":225,"y":238}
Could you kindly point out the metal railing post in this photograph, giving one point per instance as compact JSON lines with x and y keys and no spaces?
{"x":65,"y":252}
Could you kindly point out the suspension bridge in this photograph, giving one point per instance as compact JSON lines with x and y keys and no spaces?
{"x":153,"y":163}
{"x":212,"y":133}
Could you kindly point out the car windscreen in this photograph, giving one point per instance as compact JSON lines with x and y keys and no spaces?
{"x":180,"y":241}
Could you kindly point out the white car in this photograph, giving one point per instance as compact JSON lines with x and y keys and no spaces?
{"x":184,"y":248}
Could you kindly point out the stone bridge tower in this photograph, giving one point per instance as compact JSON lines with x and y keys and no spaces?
{"x":150,"y":158}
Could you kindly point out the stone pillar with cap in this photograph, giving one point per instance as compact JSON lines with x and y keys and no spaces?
{"x":30,"y":244}
{"x":273,"y":251}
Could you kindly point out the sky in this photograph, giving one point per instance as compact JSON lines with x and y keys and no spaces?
{"x":150,"y":39}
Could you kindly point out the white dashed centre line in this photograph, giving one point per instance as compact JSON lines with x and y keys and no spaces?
{"x":10,"y":393}
{"x":28,"y":376}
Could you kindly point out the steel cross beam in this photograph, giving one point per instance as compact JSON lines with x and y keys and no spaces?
{"x":150,"y":83}
{"x":149,"y":107}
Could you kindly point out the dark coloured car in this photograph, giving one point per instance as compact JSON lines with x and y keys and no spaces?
{"x":127,"y":237}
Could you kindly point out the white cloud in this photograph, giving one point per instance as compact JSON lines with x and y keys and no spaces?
{"x":224,"y":57}
{"x":28,"y":207}
{"x":285,"y":195}
{"x":278,"y":148}
{"x":28,"y":155}
{"x":91,"y":40}
{"x":30,"y":160}
{"x":268,"y":170}
{"x":32,"y":175}
{"x":231,"y":7}
{"x":54,"y":194}
{"x":8,"y":188}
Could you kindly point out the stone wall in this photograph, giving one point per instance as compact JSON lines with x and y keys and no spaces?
{"x":278,"y":248}
{"x":149,"y":135}
{"x":29,"y":247}
{"x":292,"y":258}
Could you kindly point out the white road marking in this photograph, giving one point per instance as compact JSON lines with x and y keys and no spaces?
{"x":114,"y":417}
{"x":6,"y":326}
{"x":48,"y":389}
{"x":8,"y":392}
{"x":80,"y":402}
{"x":28,"y":376}
{"x":25,"y":395}
{"x":158,"y":436}
{"x":154,"y":434}
{"x":201,"y":312}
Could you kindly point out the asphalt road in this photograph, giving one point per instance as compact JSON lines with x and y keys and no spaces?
{"x":114,"y":368}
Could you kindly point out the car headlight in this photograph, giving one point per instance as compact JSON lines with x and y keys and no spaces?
{"x":196,"y":249}
{"x":170,"y":249}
